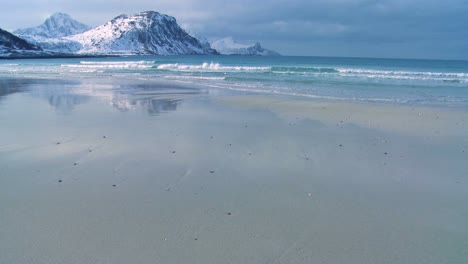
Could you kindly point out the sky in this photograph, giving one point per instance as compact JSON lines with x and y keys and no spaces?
{"x":428,"y":29}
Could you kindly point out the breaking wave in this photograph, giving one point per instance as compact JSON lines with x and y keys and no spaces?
{"x":451,"y":77}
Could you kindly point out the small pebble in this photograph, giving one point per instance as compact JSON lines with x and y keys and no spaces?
{"x":386,"y":153}
{"x":212,"y":171}
{"x":114,"y":185}
{"x":195,"y":239}
{"x":229,"y":213}
{"x":341,"y":145}
{"x":60,"y":181}
{"x":76,"y":163}
{"x":58,"y":143}
{"x":173,"y":152}
{"x":104,"y":137}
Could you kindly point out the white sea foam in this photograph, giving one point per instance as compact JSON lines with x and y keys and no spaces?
{"x":208,"y":67}
{"x":116,"y":62}
{"x":111,"y":64}
{"x":193,"y":77}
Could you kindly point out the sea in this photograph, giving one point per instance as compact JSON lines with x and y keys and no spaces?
{"x":442,"y":83}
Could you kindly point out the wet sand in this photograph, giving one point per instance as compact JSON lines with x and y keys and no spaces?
{"x":102,"y":171}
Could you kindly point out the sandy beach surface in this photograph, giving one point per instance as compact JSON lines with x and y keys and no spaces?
{"x":115,"y":171}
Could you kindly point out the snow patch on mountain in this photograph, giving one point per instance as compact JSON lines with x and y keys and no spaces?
{"x":228,"y":46}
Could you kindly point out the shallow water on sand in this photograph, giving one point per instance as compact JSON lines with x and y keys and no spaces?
{"x":118,"y":171}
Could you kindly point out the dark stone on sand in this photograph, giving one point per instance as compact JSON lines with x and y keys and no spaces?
{"x":60,"y":181}
{"x":58,"y":143}
{"x":76,"y":163}
{"x":114,"y":185}
{"x":195,"y":239}
{"x":173,"y":151}
{"x":212,"y":171}
{"x":229,"y":213}
{"x":341,"y":145}
{"x":386,"y":153}
{"x":104,"y":137}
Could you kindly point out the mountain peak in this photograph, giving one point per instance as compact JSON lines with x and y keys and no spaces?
{"x":56,"y":26}
{"x":146,"y":16}
{"x":60,"y":16}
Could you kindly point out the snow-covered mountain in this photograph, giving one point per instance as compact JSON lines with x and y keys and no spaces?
{"x":143,"y":33}
{"x":49,"y":35}
{"x":56,"y":26}
{"x":11,"y":45}
{"x":229,"y":46}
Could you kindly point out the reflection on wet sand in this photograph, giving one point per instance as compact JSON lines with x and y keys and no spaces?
{"x":65,"y":95}
{"x":153,"y":106}
{"x":153,"y":100}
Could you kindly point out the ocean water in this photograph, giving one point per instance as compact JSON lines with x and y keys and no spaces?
{"x":393,"y":81}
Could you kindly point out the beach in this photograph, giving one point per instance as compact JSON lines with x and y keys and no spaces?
{"x":112,"y":170}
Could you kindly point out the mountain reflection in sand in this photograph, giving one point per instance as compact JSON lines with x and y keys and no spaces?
{"x":64,"y":96}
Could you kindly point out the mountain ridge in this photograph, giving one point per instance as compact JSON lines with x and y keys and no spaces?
{"x":228,"y":46}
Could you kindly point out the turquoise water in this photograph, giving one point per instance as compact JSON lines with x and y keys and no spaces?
{"x":398,"y":81}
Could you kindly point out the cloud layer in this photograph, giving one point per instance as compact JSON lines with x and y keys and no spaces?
{"x":367,"y":28}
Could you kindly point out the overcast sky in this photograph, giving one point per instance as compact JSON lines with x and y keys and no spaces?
{"x":357,"y":28}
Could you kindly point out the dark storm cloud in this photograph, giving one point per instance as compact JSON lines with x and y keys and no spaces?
{"x":418,"y":29}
